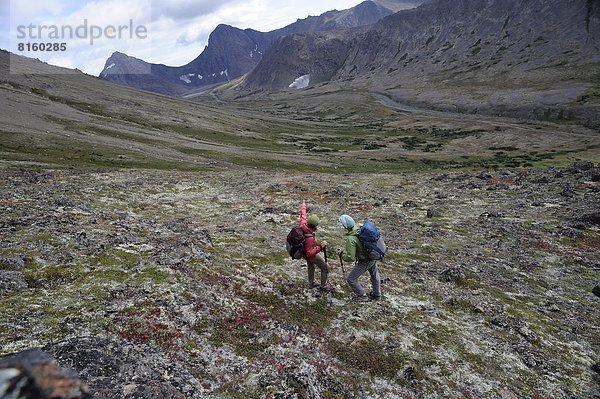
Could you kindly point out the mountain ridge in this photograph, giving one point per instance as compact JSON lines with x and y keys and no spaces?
{"x":520,"y":59}
{"x":431,"y":38}
{"x":232,"y":52}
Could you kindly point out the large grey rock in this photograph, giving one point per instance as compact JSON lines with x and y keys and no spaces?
{"x":111,"y":368}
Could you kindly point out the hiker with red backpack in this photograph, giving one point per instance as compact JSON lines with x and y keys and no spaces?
{"x":364,"y":247}
{"x":301,"y":243}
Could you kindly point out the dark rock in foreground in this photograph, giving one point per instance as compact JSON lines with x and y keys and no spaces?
{"x":33,"y":374}
{"x":111,"y":367}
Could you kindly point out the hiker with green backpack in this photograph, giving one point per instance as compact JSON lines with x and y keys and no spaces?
{"x":301,"y":243}
{"x":364,"y":247}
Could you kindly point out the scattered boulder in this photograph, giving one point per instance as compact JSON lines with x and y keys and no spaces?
{"x":591,"y":218}
{"x":64,"y":202}
{"x":596,"y":368}
{"x":568,"y":192}
{"x":411,"y":374}
{"x":33,"y":374}
{"x":473,"y":186}
{"x":13,"y":262}
{"x":596,"y":290}
{"x":304,"y":381}
{"x":461,"y":177}
{"x":542,"y":180}
{"x":432,"y":213}
{"x":595,"y":175}
{"x":484,"y":175}
{"x":571,"y":232}
{"x":453,"y":274}
{"x":492,"y":214}
{"x":501,"y":321}
{"x":409,"y":204}
{"x":581,"y":166}
{"x":11,"y":281}
{"x":526,"y":333}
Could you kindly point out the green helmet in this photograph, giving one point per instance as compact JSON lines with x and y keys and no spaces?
{"x":313,"y":219}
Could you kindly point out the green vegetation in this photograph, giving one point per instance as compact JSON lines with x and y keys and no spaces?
{"x":369,"y":355}
{"x":360,"y":136}
{"x":316,"y":314}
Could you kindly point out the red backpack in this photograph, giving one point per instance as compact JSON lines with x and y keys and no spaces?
{"x":295,"y":242}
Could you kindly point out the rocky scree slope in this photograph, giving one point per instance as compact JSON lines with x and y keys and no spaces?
{"x":526,"y":59}
{"x":232,"y":52}
{"x":172,"y":284}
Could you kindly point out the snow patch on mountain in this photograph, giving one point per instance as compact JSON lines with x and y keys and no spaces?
{"x":105,"y":72}
{"x":186,"y":78}
{"x":301,"y":82}
{"x":255,"y":51}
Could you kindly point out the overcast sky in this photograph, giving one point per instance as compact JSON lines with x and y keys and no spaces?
{"x":171,"y":32}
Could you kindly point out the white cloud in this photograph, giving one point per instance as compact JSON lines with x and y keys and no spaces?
{"x":23,"y":9}
{"x":183,"y":10}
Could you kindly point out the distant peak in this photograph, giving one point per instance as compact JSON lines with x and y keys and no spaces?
{"x":224,"y":27}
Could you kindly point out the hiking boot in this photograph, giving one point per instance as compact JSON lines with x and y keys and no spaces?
{"x":313,"y":285}
{"x":327,"y":289}
{"x":375,"y":297}
{"x":363,"y":298}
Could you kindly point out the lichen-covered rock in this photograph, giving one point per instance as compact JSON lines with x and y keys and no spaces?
{"x":115,"y":369}
{"x":591,"y":218}
{"x":581,"y":166}
{"x":11,"y":281}
{"x":432,"y":213}
{"x":454,"y":274}
{"x":15,"y":262}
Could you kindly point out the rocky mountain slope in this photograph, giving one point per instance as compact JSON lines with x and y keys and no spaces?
{"x":526,"y":59}
{"x":231,"y":52}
